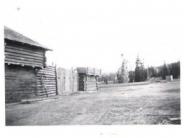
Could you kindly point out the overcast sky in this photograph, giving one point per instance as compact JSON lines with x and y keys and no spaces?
{"x":94,"y":33}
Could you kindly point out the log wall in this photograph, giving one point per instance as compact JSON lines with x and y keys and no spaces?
{"x":27,"y":82}
{"x":20,"y":83}
{"x":91,"y":83}
{"x":87,"y":82}
{"x":46,"y":82}
{"x":22,"y":54}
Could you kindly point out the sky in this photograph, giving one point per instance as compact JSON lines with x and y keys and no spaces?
{"x":95,"y":33}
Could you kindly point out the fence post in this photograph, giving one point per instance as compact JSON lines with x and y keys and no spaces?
{"x":56,"y":80}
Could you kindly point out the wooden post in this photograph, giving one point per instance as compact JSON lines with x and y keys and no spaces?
{"x":56,"y":80}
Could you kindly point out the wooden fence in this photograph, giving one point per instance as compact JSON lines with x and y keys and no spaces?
{"x":46,"y":82}
{"x":67,"y":81}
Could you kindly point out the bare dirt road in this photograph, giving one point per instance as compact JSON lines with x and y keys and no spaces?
{"x":154,"y":103}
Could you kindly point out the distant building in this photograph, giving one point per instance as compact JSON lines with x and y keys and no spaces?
{"x":87,"y":79}
{"x":23,"y":58}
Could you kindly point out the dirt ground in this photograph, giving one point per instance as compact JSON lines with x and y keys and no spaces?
{"x":149,"y":103}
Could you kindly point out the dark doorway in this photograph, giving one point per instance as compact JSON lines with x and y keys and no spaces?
{"x":81,"y":82}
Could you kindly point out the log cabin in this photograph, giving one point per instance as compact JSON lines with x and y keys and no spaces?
{"x":87,"y":78}
{"x":23,"y":58}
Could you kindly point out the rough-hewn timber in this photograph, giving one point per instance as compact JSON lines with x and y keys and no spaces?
{"x":16,"y":53}
{"x":20,"y":83}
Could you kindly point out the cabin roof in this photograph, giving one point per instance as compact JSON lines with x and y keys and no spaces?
{"x":15,"y":36}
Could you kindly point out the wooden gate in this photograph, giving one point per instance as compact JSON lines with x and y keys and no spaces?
{"x":67,"y":81}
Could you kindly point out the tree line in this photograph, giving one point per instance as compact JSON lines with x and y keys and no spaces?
{"x":141,"y":73}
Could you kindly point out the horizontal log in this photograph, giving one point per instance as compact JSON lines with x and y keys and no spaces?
{"x":15,"y":78}
{"x":46,"y":87}
{"x":48,"y":83}
{"x":20,"y":87}
{"x":52,"y":94}
{"x":11,"y":61}
{"x":46,"y":78}
{"x":30,"y":56}
{"x":41,"y":91}
{"x":44,"y":83}
{"x":42,"y":78}
{"x":39,"y":79}
{"x":20,"y":84}
{"x":20,"y":57}
{"x":49,"y":69}
{"x":48,"y":92}
{"x":46,"y":75}
{"x":22,"y":53}
{"x":24,"y":49}
{"x":46,"y":72}
{"x":25,"y":60}
{"x":18,"y":92}
{"x":50,"y":86}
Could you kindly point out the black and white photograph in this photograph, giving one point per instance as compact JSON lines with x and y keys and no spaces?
{"x":92,"y":63}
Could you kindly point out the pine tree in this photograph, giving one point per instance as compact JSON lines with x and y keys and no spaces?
{"x":140,"y":71}
{"x":165,"y":71}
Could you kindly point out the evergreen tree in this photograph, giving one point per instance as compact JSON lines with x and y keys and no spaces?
{"x":175,"y":69}
{"x":165,"y":71}
{"x":131,"y":76}
{"x":140,"y":71}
